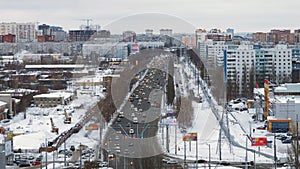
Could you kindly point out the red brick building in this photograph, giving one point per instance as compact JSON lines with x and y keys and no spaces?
{"x":9,"y":38}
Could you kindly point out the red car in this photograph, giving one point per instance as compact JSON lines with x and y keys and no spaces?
{"x":36,"y":163}
{"x":261,"y":128}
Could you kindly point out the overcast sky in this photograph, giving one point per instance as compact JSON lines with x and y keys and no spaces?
{"x":180,"y":15}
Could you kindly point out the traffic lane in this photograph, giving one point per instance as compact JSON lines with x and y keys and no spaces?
{"x":132,"y":147}
{"x":128,"y":128}
{"x":149,"y":115}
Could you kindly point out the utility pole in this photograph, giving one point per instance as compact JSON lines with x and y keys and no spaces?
{"x":297,"y":144}
{"x":100,"y":139}
{"x":46,"y":153}
{"x":246,"y":158}
{"x":275,"y":158}
{"x":175,"y":139}
{"x":220,"y":144}
{"x":209,"y":158}
{"x":65,"y":159}
{"x":167,"y":137}
{"x":80,"y":158}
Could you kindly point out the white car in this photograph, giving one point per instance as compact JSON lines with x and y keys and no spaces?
{"x":165,"y":160}
{"x":135,"y":120}
{"x":172,"y":161}
{"x":103,"y":164}
{"x":131,"y":131}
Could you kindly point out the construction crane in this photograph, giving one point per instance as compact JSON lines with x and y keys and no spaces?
{"x":67,"y":118}
{"x":54,"y":129}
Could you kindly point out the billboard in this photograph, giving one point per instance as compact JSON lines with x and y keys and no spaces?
{"x":92,"y":127}
{"x":190,"y":137}
{"x":259,"y":141}
{"x":134,"y":47}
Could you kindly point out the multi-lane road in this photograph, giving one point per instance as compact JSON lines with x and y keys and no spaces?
{"x":131,"y":141}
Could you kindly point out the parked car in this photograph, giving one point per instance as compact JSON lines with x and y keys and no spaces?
{"x":261,"y":128}
{"x":287,"y":141}
{"x":103,"y":164}
{"x":36,"y":163}
{"x":172,"y":161}
{"x":165,"y":160}
{"x":201,"y":161}
{"x":24,"y":163}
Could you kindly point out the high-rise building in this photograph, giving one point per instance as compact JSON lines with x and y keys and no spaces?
{"x":259,"y":37}
{"x":25,"y":32}
{"x":281,"y":36}
{"x":246,"y":66}
{"x":230,"y":31}
{"x":51,"y":33}
{"x":167,"y":32}
{"x":81,"y":35}
{"x":149,"y":32}
{"x":129,"y":36}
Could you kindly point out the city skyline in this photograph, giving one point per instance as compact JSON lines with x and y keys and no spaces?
{"x":250,"y":16}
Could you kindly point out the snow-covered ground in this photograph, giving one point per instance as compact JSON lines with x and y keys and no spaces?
{"x":207,"y":127}
{"x":36,"y":127}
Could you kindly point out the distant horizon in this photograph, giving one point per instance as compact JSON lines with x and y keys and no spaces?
{"x":155,"y":31}
{"x":243,"y":16}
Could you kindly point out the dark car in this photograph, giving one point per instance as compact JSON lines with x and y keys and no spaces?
{"x":24,"y":163}
{"x":287,"y":141}
{"x":201,"y":161}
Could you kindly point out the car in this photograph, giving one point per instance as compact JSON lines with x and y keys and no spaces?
{"x":135,"y":120}
{"x":34,"y":163}
{"x":131,"y":131}
{"x":172,"y":161}
{"x":261,"y":128}
{"x":24,"y":163}
{"x":117,"y":138}
{"x":165,"y":160}
{"x":118,"y":119}
{"x":287,"y":141}
{"x":201,"y":161}
{"x":121,"y":114}
{"x":110,"y":155}
{"x":103,"y":164}
{"x":283,"y":138}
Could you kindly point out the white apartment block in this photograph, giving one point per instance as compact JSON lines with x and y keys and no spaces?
{"x":239,"y":63}
{"x":25,"y":32}
{"x":274,"y":64}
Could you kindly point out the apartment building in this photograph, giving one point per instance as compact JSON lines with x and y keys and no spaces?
{"x":247,"y":67}
{"x":207,"y":41}
{"x":167,"y":32}
{"x":24,"y":32}
{"x":259,"y":37}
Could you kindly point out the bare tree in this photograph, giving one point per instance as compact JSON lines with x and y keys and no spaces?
{"x":185,"y":115}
